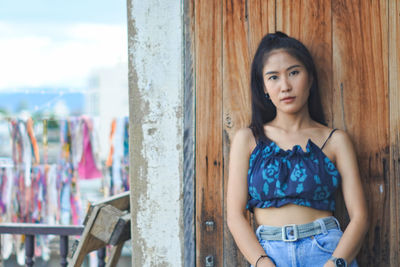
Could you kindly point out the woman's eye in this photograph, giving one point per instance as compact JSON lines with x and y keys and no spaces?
{"x":295,"y":72}
{"x":273,"y":77}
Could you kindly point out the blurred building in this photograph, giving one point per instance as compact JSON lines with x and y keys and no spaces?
{"x":107,"y":98}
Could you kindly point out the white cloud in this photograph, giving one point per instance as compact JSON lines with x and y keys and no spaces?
{"x":57,"y":55}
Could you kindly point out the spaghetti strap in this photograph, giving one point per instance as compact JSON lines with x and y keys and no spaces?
{"x":328,"y":138}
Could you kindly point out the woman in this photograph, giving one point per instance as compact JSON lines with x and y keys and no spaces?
{"x":286,"y":167}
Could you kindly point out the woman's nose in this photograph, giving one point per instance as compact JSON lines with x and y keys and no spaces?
{"x":285,"y":86}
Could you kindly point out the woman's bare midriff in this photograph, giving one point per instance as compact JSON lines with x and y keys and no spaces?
{"x":288,"y":214}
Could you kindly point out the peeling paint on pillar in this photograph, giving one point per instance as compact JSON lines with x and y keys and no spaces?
{"x":156,"y":138}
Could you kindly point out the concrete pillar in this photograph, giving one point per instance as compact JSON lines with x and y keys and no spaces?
{"x":156,"y":137}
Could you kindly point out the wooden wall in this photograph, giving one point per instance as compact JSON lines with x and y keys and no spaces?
{"x":355,"y":46}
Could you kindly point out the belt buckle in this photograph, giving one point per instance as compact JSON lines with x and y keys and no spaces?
{"x":295,"y":232}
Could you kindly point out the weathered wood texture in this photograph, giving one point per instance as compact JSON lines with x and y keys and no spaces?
{"x":360,"y":75}
{"x":87,"y":241}
{"x":355,"y":45}
{"x":189,"y":138}
{"x":209,"y":181}
{"x":394,"y":121}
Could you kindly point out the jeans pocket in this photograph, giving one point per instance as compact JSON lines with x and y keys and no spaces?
{"x":328,"y":242}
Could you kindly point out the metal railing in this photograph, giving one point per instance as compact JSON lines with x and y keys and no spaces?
{"x":31,"y":229}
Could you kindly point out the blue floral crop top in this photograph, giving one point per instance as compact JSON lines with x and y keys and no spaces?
{"x":277,"y":177}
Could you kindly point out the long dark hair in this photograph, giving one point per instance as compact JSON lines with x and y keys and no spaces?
{"x":264,"y":111}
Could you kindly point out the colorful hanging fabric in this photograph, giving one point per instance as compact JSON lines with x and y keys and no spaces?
{"x":20,"y":177}
{"x":33,"y":142}
{"x":125,"y":162}
{"x":21,"y":149}
{"x":21,"y":202}
{"x":111,"y":139}
{"x":87,"y":167}
{"x":119,"y":168}
{"x":6,"y":180}
{"x":53,"y":211}
{"x":45,"y":141}
{"x":69,"y":201}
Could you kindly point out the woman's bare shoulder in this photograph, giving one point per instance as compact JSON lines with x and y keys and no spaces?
{"x":244,"y":138}
{"x":245,"y":133}
{"x":339,"y":143}
{"x":341,"y":138}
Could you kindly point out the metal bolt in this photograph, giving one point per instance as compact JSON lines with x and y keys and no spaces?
{"x":228,"y":121}
{"x":209,"y":261}
{"x":209,"y":226}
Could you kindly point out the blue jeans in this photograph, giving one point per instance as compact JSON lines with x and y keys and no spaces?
{"x":310,"y":251}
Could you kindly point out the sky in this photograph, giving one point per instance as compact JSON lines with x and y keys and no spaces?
{"x":59,"y":43}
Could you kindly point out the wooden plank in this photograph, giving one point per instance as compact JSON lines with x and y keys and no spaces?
{"x":209,"y":180}
{"x":394,"y":120}
{"x":115,"y":253}
{"x":105,"y":223}
{"x":288,"y":17}
{"x":120,"y":201}
{"x":360,"y":79}
{"x":122,"y":231}
{"x":87,"y":242}
{"x":244,"y":24}
{"x":236,"y":67}
{"x":260,"y":21}
{"x":189,"y":137}
{"x":310,"y":22}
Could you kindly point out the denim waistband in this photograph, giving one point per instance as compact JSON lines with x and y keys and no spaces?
{"x":293,"y":232}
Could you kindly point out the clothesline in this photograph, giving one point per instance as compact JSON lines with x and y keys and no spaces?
{"x":58,"y":95}
{"x":43,"y":117}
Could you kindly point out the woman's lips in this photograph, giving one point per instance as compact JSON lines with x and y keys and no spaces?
{"x":288,"y":99}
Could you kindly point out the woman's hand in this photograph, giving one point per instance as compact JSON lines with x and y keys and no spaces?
{"x":265,"y":262}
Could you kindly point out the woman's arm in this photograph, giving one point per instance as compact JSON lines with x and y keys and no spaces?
{"x":237,"y":194}
{"x":346,"y":162}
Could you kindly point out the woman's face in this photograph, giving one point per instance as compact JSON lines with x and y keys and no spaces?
{"x":287,"y":82}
